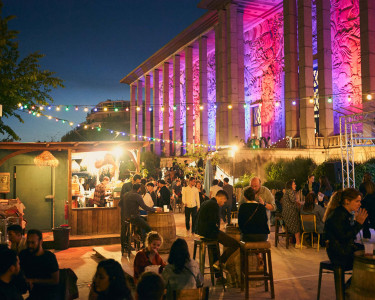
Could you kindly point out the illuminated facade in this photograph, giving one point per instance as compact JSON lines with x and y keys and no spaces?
{"x":271,"y":68}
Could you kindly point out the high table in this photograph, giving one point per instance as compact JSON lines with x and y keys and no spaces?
{"x":363,"y":279}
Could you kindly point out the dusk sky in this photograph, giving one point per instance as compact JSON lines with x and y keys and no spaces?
{"x":91,"y":45}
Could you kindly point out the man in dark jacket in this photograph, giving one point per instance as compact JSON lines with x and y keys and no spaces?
{"x":165,"y":195}
{"x":208,"y":226}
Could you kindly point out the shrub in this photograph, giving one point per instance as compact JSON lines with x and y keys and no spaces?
{"x":243,"y":181}
{"x":275,"y":185}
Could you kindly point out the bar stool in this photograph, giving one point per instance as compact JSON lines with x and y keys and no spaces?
{"x":126,"y":237}
{"x":339,"y":275}
{"x":210,"y":245}
{"x":248,"y":248}
{"x":285,"y":234}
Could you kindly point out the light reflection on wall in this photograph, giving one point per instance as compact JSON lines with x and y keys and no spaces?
{"x":211,"y":86}
{"x":264,"y":75}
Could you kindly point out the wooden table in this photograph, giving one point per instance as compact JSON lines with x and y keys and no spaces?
{"x":363,"y":278}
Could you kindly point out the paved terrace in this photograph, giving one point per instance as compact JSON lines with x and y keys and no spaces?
{"x":295,"y":271}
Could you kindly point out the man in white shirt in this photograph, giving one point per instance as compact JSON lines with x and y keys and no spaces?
{"x":214,"y":188}
{"x":190,"y":199}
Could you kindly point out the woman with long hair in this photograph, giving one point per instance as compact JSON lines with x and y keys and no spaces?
{"x":311,"y":207}
{"x":341,"y":229}
{"x":109,"y":282}
{"x":182,"y":272}
{"x":150,"y":255}
{"x":290,"y":211}
{"x":325,"y":191}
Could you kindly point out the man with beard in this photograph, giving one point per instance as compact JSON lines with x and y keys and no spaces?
{"x":40,"y":268}
{"x":9,"y":269}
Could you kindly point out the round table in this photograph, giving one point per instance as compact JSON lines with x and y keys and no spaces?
{"x":362,"y":286}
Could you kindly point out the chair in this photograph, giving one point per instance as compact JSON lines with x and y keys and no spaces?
{"x":248,"y":248}
{"x":308,"y":223}
{"x":286,"y":234}
{"x":210,"y":245}
{"x":192,"y":294}
{"x":339,"y":275}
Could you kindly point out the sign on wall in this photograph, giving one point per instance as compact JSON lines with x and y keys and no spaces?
{"x":4,"y":182}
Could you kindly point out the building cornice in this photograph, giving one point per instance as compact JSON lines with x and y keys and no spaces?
{"x":186,"y":37}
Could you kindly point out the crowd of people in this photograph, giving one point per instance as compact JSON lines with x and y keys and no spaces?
{"x":340,"y":215}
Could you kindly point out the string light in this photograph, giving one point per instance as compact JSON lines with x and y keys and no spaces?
{"x":368,"y":97}
{"x":349,"y":98}
{"x":105,"y":109}
{"x":76,"y":108}
{"x":41,"y":108}
{"x":116,"y":109}
{"x":67,"y":108}
{"x":58,"y":108}
{"x":329,"y":99}
{"x":188,"y":108}
{"x":150,"y":108}
{"x":201,"y":107}
{"x":294,"y":102}
{"x":86,"y":109}
{"x":311,"y":100}
{"x":174,"y":107}
{"x":162,"y":108}
{"x":19,"y":104}
{"x":230,"y":106}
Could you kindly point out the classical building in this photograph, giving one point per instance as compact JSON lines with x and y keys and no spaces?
{"x":270,"y":68}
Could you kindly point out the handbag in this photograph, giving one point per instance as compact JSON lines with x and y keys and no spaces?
{"x":252,"y":215}
{"x":198,"y":284}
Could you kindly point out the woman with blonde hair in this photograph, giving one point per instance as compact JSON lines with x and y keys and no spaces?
{"x":149,"y":256}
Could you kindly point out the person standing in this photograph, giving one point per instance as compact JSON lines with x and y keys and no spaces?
{"x":227,"y":208}
{"x":165,"y":195}
{"x":190,"y":199}
{"x":214,"y":188}
{"x":99,"y":194}
{"x":40,"y":268}
{"x":18,"y":241}
{"x":9,"y":269}
{"x":127,"y":187}
{"x":311,"y":186}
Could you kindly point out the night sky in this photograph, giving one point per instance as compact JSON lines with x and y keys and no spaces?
{"x":91,"y":45}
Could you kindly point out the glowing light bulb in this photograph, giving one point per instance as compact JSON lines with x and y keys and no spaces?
{"x":33,"y":107}
{"x":38,"y":114}
{"x":116,"y":109}
{"x":138,"y":108}
{"x":230,"y":106}
{"x":105,"y":109}
{"x":162,"y":108}
{"x":49,"y":107}
{"x":127,"y":109}
{"x":349,"y":98}
{"x":56,"y":120}
{"x":85,"y":127}
{"x":57,"y":108}
{"x":311,"y":100}
{"x":99,"y":129}
{"x":86,"y":109}
{"x":76,"y":108}
{"x":19,"y":104}
{"x":294,"y":102}
{"x":188,"y":108}
{"x":49,"y":117}
{"x":368,"y":97}
{"x":215,"y":106}
{"x":95,"y":109}
{"x":71,"y":123}
{"x":174,"y":107}
{"x":150,"y":108}
{"x":201,"y":107}
{"x":329,"y":99}
{"x":67,"y":108}
{"x":245,"y":105}
{"x":277,"y":104}
{"x":41,"y":108}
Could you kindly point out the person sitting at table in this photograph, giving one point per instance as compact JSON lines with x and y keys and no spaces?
{"x":150,"y":286}
{"x":252,"y":219}
{"x":341,"y":229}
{"x":99,"y":194}
{"x":149,"y":256}
{"x":311,"y":207}
{"x":129,"y":205}
{"x":182,"y":272}
{"x":147,"y":198}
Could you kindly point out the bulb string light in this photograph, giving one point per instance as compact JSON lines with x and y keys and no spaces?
{"x":117,"y":132}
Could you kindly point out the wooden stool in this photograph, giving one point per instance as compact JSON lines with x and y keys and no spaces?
{"x":285,"y":234}
{"x":248,"y":248}
{"x":211,"y":245}
{"x":339,"y":275}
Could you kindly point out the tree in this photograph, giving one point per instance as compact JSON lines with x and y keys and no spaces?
{"x":22,"y":82}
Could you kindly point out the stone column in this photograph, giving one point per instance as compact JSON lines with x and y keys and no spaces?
{"x":147,"y":108}
{"x":306,"y":81}
{"x":155,"y":111}
{"x":203,"y":92}
{"x":232,"y":72}
{"x":177,"y":104}
{"x":140,"y":107}
{"x":241,"y":76}
{"x":166,"y":108}
{"x":189,"y":96}
{"x":133,"y":112}
{"x":323,"y":20}
{"x":367,"y":24}
{"x":221,"y":82}
{"x":291,"y":67}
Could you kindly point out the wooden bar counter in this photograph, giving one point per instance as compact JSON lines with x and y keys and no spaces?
{"x":95,"y":220}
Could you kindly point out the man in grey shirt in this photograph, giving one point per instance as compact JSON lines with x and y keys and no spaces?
{"x":262,"y":195}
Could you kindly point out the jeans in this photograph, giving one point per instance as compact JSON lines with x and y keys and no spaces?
{"x":229,"y":242}
{"x":193,"y":212}
{"x":226,"y":211}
